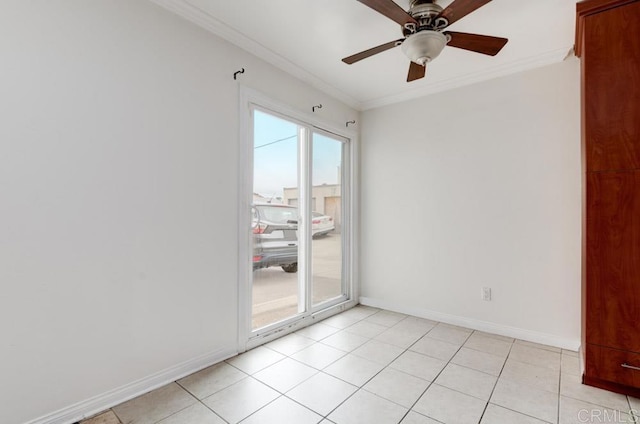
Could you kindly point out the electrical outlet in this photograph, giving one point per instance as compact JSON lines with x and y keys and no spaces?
{"x":486,"y":293}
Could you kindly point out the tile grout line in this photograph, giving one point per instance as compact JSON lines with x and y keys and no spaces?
{"x":177,"y":412}
{"x":387,"y":366}
{"x":283,"y":394}
{"x":504,"y":364}
{"x":436,"y":377}
{"x":214,"y":412}
{"x":408,"y":349}
{"x":321,"y":371}
{"x":201,"y":400}
{"x":513,"y":410}
{"x":559,"y":390}
{"x":358,"y":388}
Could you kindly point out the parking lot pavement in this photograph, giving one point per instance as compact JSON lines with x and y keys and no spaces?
{"x":275,"y":292}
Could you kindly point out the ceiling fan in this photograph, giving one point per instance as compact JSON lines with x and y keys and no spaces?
{"x":424,"y":36}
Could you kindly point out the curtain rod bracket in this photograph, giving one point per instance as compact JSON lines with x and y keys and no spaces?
{"x":235,"y":74}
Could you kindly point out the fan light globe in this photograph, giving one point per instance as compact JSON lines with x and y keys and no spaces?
{"x":424,"y":46}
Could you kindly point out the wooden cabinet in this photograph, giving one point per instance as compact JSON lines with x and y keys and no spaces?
{"x":611,"y":90}
{"x":606,"y":364}
{"x":608,"y":43}
{"x":613,"y":260}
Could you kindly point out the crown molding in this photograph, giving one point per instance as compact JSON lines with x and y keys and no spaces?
{"x":217,"y":27}
{"x":199,"y":17}
{"x":544,"y":59}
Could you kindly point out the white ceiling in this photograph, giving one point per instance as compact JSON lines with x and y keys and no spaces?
{"x":308,"y":38}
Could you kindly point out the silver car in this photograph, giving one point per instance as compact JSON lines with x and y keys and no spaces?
{"x":275,"y":239}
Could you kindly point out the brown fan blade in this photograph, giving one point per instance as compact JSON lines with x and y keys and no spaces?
{"x":391,"y":10}
{"x":461,"y":8}
{"x":416,"y":72}
{"x":367,"y":53}
{"x":484,"y":44}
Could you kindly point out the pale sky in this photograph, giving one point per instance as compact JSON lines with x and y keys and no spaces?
{"x":276,"y":156}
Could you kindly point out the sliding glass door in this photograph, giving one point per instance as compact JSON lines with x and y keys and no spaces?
{"x":298,"y":238}
{"x":326,"y":218}
{"x":274,"y":222}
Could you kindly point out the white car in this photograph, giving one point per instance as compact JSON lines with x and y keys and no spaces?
{"x":321,"y":224}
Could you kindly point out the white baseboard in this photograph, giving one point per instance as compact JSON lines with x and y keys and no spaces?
{"x":489,"y":327}
{"x":96,"y":404}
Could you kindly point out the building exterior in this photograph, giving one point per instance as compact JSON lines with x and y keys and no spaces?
{"x":325,"y":198}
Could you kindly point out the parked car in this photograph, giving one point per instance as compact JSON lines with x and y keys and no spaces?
{"x":275,"y":238}
{"x":321,"y":225}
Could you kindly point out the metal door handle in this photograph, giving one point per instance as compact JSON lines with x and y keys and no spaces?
{"x":631,"y":367}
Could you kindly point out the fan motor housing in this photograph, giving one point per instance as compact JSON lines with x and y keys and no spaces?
{"x":424,"y":10}
{"x":426,"y":13}
{"x":417,"y":2}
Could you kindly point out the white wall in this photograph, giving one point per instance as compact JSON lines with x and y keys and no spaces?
{"x":118,"y":193}
{"x":478,"y":186}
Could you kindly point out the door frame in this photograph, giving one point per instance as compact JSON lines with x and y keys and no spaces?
{"x":250,"y":99}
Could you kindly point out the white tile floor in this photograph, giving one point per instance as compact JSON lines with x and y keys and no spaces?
{"x":370,"y":366}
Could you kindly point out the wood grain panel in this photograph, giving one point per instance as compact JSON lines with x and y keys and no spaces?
{"x":613,"y":260}
{"x":611,"y":90}
{"x":607,"y":364}
{"x":589,"y":7}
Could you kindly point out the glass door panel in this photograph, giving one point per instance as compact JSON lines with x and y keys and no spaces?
{"x":276,"y":294}
{"x":326,"y":219}
{"x":298,"y":231}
